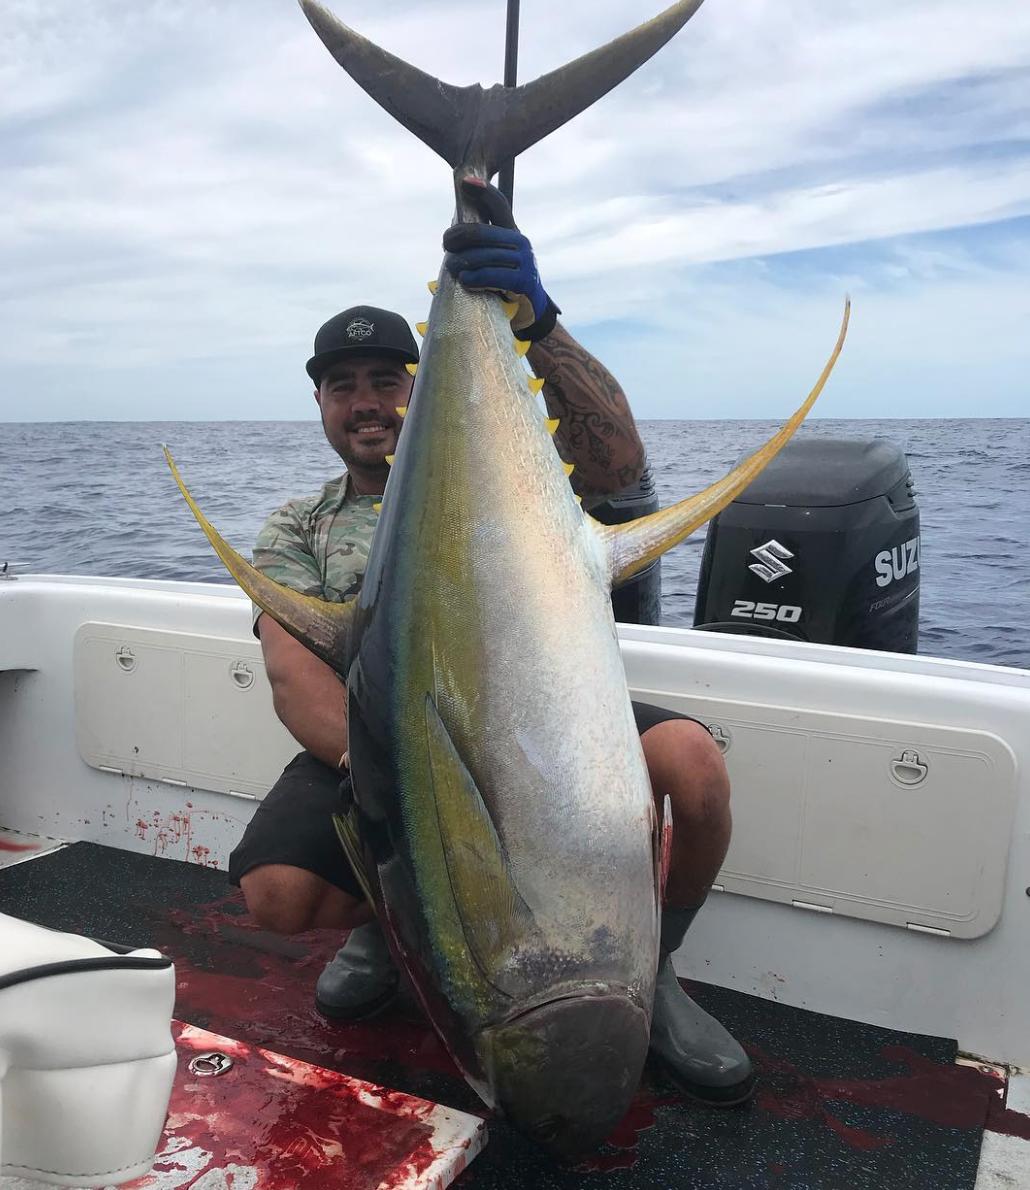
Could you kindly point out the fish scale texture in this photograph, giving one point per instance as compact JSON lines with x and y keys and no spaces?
{"x":840,"y":1104}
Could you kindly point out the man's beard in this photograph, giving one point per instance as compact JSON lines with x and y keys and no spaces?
{"x":372,"y":462}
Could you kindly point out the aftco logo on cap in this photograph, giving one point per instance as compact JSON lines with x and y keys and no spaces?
{"x":360,"y":328}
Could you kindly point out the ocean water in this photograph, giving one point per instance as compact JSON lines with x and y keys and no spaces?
{"x":96,"y":498}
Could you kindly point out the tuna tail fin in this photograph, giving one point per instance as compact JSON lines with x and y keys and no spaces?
{"x":477,"y":127}
{"x":327,"y":629}
{"x":636,"y":544}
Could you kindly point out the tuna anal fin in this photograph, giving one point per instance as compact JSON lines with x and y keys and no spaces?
{"x":636,"y":544}
{"x":327,"y":629}
{"x":493,"y":915}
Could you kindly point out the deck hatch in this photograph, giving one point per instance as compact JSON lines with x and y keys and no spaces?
{"x":180,"y":714}
{"x":903,"y":823}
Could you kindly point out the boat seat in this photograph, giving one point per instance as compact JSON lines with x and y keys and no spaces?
{"x":86,"y":1056}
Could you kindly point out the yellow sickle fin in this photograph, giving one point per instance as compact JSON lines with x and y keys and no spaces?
{"x":636,"y":544}
{"x":327,"y":629}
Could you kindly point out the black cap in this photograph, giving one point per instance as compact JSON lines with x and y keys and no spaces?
{"x":361,"y":328}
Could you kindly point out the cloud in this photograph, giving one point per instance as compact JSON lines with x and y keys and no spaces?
{"x":936,"y":331}
{"x":191,"y":188}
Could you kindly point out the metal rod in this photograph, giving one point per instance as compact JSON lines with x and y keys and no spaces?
{"x":506,"y":181}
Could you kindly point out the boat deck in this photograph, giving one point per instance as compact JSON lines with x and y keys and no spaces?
{"x":840,"y":1104}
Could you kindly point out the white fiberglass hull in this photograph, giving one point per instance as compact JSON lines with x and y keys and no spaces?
{"x":881,"y":802}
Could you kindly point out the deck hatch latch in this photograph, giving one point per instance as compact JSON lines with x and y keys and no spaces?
{"x":242,"y":675}
{"x":909,"y":768}
{"x":212,"y":1063}
{"x":721,"y":736}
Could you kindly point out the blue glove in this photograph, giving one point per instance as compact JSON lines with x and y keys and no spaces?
{"x":495,"y":255}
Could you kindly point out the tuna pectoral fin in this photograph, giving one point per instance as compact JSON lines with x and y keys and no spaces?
{"x":494,"y":918}
{"x":327,"y":629}
{"x":470,"y":126}
{"x":636,"y":544}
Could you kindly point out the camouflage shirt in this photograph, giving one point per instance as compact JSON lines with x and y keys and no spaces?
{"x":319,"y":545}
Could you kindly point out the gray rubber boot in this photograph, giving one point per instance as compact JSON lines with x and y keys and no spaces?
{"x":691,"y":1047}
{"x":361,"y":980}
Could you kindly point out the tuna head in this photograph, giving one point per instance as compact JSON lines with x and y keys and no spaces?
{"x":563,"y":1072}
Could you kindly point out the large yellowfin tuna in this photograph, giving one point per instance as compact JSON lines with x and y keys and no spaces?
{"x":504,"y":825}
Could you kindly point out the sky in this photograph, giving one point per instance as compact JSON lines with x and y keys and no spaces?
{"x":188,"y":188}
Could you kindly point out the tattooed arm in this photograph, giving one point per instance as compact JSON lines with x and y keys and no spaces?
{"x":596,"y":430}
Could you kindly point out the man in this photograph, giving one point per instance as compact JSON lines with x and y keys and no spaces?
{"x":289,"y":864}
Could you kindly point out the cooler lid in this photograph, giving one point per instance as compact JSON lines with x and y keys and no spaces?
{"x":823,"y":472}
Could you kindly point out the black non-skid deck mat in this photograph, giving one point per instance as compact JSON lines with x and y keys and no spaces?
{"x":839,"y":1105}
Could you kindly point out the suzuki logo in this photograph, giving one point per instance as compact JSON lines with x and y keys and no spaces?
{"x":770,"y":557}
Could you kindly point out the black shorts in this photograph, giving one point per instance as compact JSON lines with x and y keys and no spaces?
{"x":294,"y":823}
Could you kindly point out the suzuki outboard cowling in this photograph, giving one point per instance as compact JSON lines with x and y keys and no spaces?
{"x":640,"y":600}
{"x":823,"y":546}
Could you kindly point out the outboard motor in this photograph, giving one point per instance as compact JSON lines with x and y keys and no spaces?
{"x":638,"y":601}
{"x":823,"y":546}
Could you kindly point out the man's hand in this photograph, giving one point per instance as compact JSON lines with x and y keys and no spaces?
{"x":496,"y":255}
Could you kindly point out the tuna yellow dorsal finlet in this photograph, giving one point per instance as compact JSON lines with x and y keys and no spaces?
{"x":401,"y":410}
{"x":377,"y":507}
{"x":411,"y":369}
{"x":510,"y":309}
{"x":536,"y":383}
{"x":432,"y":286}
{"x":422,"y":327}
{"x":389,"y":459}
{"x":636,"y":544}
{"x":568,"y":468}
{"x":522,"y":346}
{"x":551,"y":424}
